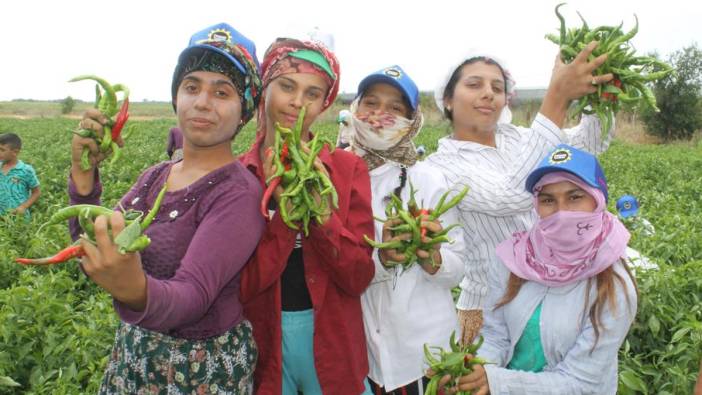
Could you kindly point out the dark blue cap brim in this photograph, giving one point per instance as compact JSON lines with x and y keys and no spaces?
{"x":378,"y":78}
{"x":537,"y":174}
{"x":236,"y":62}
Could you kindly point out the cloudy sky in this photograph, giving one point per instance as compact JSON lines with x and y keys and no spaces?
{"x":44,"y":43}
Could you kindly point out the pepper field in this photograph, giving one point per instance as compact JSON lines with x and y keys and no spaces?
{"x":56,"y":328}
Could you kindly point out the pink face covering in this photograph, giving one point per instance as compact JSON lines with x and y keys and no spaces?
{"x":567,"y":246}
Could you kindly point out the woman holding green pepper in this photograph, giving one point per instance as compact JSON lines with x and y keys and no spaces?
{"x":181,"y":322}
{"x":302,"y":293}
{"x":492,"y":157}
{"x":403,"y":308}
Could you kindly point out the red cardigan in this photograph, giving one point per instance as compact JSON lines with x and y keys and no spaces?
{"x":338,"y":268}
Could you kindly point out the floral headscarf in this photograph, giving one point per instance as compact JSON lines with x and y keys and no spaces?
{"x":380,"y":136}
{"x":286,"y":56}
{"x":201,"y":58}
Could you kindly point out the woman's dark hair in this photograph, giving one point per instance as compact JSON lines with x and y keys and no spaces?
{"x":451,"y":85}
{"x":403,"y":182}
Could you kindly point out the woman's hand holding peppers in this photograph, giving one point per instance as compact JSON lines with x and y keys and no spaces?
{"x":572,"y":81}
{"x":474,"y":381}
{"x":430,"y":259}
{"x":119,"y":274}
{"x":414,"y":234}
{"x":456,"y":370}
{"x":93,"y":121}
{"x":308,"y":193}
{"x":392,"y":256}
{"x":105,"y":131}
{"x":269,"y":169}
{"x":619,"y":76}
{"x":319,"y":166}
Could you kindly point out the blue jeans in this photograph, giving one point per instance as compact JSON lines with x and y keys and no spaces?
{"x":299,"y":373}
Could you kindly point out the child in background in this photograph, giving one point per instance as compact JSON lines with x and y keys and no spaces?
{"x":628,"y":209}
{"x":19,"y":186}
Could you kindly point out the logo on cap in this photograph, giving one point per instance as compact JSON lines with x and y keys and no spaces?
{"x":219,"y":35}
{"x":560,"y":156}
{"x":393,"y":72}
{"x":627,"y":205}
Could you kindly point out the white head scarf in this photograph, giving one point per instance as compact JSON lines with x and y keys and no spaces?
{"x":506,"y":115}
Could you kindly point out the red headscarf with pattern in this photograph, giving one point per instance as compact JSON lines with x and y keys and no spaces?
{"x":278,"y":61}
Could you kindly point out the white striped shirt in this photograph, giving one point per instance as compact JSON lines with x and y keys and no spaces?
{"x":497,"y":204}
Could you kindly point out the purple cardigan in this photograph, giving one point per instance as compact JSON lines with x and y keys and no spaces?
{"x":201,"y":238}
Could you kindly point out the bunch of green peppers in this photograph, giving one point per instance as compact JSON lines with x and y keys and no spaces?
{"x":131,"y":239}
{"x":411,"y":222}
{"x":301,"y":181}
{"x":631,"y":72}
{"x":456,"y":362}
{"x":106,"y":101}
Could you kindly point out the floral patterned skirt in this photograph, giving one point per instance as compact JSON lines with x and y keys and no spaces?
{"x":147,"y":362}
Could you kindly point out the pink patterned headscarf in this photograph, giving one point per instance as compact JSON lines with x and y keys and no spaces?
{"x":567,"y":246}
{"x":277,"y":61}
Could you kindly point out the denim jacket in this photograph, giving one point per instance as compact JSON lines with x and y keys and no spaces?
{"x":575,"y":363}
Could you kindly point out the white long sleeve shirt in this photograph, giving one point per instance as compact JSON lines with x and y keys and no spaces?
{"x":577,"y":362}
{"x":497,"y":204}
{"x":403,"y":311}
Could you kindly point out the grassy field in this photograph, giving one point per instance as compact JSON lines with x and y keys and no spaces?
{"x":57,"y":327}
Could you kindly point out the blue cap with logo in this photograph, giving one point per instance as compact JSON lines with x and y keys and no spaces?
{"x":627,"y":206}
{"x":395,"y":76}
{"x":236,"y":58}
{"x":572,"y":160}
{"x":220,"y":38}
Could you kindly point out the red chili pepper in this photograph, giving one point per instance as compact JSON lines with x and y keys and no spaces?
{"x":267,"y":196}
{"x":64,"y":255}
{"x":122,"y":117}
{"x":423,"y":229}
{"x":284,"y":152}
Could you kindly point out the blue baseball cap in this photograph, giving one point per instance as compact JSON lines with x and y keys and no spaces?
{"x":220,"y":38}
{"x":395,"y":76}
{"x":572,"y":160}
{"x":627,"y":206}
{"x":238,"y":55}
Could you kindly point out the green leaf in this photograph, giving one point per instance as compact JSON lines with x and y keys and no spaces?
{"x":632,"y":381}
{"x":679,"y":334}
{"x":8,"y":382}
{"x":654,"y":325}
{"x":128,"y":235}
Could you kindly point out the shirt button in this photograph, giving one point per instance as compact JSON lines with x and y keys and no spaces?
{"x":311,"y":280}
{"x":173,"y":214}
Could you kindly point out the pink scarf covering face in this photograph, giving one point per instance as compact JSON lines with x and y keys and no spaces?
{"x":567,"y":246}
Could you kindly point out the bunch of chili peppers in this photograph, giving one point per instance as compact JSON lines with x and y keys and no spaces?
{"x":106,"y":102}
{"x":411,"y":222}
{"x":131,"y":239}
{"x":301,"y":181}
{"x":456,"y":362}
{"x":631,"y":72}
